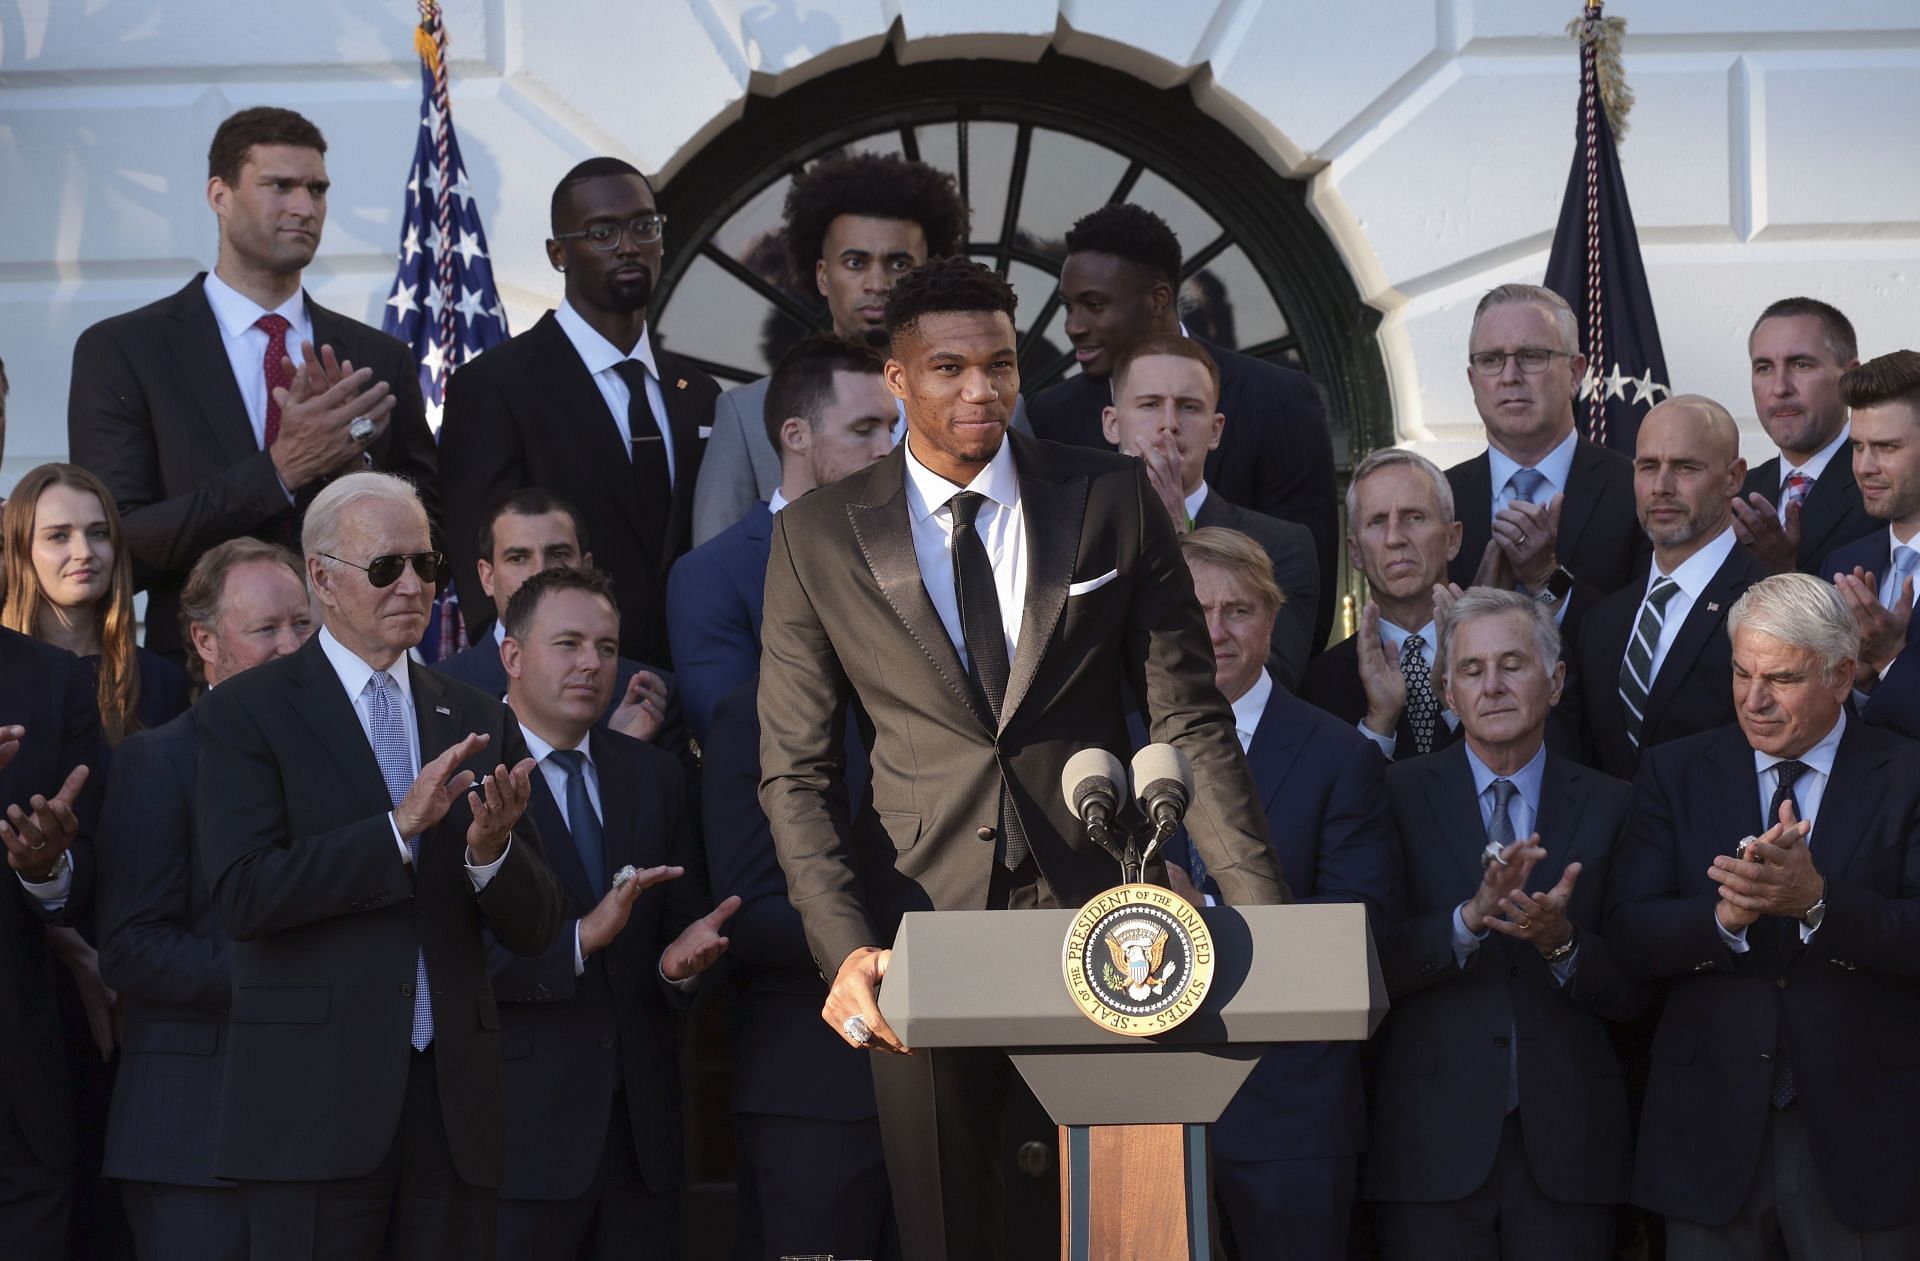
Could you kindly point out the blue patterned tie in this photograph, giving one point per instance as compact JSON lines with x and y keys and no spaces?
{"x":1526,"y":484}
{"x":387,"y":720}
{"x":582,"y":822}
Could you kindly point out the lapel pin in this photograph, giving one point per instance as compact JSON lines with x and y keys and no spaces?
{"x":681,"y":384}
{"x":442,"y":709}
{"x":1713,"y":608}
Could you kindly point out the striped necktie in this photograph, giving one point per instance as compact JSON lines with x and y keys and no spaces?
{"x":1636,"y":669}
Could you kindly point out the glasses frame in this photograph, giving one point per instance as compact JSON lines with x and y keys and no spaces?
{"x":620,"y":231}
{"x":436,"y":577}
{"x":1505,"y":355}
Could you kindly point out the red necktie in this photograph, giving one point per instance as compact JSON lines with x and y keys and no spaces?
{"x":1797,"y":487}
{"x":278,"y":375}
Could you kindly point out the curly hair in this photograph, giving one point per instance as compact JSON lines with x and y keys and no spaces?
{"x":877,"y":186}
{"x":946,"y":284}
{"x":1132,"y":232}
{"x":261,"y":125}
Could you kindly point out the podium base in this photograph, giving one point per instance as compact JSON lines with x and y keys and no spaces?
{"x":1138,"y":1192}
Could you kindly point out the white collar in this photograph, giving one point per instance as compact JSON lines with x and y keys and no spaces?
{"x":1555,"y":466}
{"x":1194,"y":501}
{"x":775,"y":502}
{"x":1818,"y":758}
{"x":1816,"y":463}
{"x":354,"y":672}
{"x":540,"y":749}
{"x":1248,"y":709}
{"x":237,"y":313}
{"x":1696,"y":571}
{"x":1392,"y":636}
{"x":597,"y":352}
{"x":928,"y":492}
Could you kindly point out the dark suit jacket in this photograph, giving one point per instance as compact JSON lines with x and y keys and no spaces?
{"x":1894,"y":702}
{"x":1601,"y":542}
{"x":787,"y":1061}
{"x":44,"y":689}
{"x":1693,"y":691}
{"x":1323,"y":788}
{"x":527,"y":413}
{"x":1847,"y":1004}
{"x":1833,"y":514}
{"x":1275,"y":454}
{"x":155,"y":413}
{"x":571,"y":1042}
{"x":1290,"y":548}
{"x":714,"y":600}
{"x":162,"y":949}
{"x":847,"y":616}
{"x":1441,"y":1058}
{"x":297,"y":843}
{"x":1333,"y":683}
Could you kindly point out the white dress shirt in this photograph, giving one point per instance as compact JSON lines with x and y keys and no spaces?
{"x":1395,"y":638}
{"x":353,"y":674}
{"x":1808,"y":791}
{"x":1002,"y":528}
{"x":775,"y":502}
{"x":1556,"y":466}
{"x":600,"y":356}
{"x":1815,"y":465}
{"x":246,"y":344}
{"x":1197,"y":498}
{"x":1248,"y":710}
{"x":1692,"y":576}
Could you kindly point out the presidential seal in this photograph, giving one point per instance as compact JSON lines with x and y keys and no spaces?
{"x":1138,"y":959}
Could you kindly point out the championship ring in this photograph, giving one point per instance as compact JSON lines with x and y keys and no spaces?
{"x":1138,"y":959}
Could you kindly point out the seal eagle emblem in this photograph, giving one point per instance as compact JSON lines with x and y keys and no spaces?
{"x":1138,"y":959}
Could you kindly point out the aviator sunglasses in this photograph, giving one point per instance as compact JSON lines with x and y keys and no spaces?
{"x":384,"y":571}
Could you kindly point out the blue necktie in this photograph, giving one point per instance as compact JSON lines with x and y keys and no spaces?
{"x":582,"y":822}
{"x":1500,"y":832}
{"x":1526,"y":484}
{"x":387,"y":720}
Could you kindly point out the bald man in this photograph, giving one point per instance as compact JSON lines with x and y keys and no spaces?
{"x":1653,"y":660}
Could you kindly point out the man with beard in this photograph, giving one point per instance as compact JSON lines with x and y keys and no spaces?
{"x":585,"y":405}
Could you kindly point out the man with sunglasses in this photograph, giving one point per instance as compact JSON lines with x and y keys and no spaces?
{"x":361,"y":825}
{"x":1544,"y":510}
{"x":585,"y":404}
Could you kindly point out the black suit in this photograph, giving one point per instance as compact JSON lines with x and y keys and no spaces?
{"x":1333,"y":683}
{"x":1441,"y":1136}
{"x":44,"y":689}
{"x":297,"y":842}
{"x":1275,"y":454}
{"x":593,"y":1080}
{"x":1833,"y":514}
{"x":163,"y":951}
{"x":1600,"y":541}
{"x":155,"y":413}
{"x":1693,"y":690}
{"x":527,"y":413}
{"x":1290,"y":548}
{"x":1845,"y":1006}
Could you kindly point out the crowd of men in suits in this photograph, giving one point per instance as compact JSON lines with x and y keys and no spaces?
{"x":402,"y":953}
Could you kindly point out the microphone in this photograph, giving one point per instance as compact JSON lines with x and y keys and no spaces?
{"x":1163,"y":784}
{"x":1091,"y":785}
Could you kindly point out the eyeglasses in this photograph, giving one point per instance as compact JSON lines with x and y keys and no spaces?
{"x":1533,"y":360}
{"x":606,"y":236}
{"x":384,"y":571}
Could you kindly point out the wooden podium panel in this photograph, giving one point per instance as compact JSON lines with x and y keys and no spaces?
{"x":1134,"y":1193}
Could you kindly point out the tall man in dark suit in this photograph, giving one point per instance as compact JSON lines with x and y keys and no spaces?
{"x":1286,"y":1151}
{"x":50,"y":738}
{"x":357,"y":860}
{"x":1876,"y":574}
{"x":161,"y":949}
{"x":1401,"y":534}
{"x":1498,"y":1114}
{"x":829,"y":415}
{"x":585,"y":405}
{"x":990,"y":602}
{"x":1165,"y":390}
{"x":1653,"y":660}
{"x":208,"y":414}
{"x":1544,"y":510}
{"x":1120,"y":283}
{"x":587,"y":1029}
{"x":1782,"y":1113}
{"x":1804,"y":502}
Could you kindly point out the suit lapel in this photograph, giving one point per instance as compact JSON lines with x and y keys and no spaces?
{"x":1473,"y":506}
{"x":1583,"y":493}
{"x":688,"y":446}
{"x":1562,"y":822}
{"x":1276,"y":744}
{"x":440,"y":728}
{"x":198,"y":347}
{"x":596,"y":435}
{"x":328,"y":712}
{"x":1054,"y":506}
{"x":621,"y":840}
{"x":1851,"y":800}
{"x":1450,"y":796}
{"x":1834,"y":491}
{"x":562,"y":855}
{"x":1704,"y":621}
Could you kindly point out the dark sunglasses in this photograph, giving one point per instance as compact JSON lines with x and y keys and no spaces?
{"x":384,"y":571}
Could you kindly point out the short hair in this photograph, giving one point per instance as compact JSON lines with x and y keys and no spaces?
{"x":234,"y":138}
{"x":1835,"y":328}
{"x":1478,"y":602}
{"x":206,"y":589}
{"x":1132,"y":232}
{"x":1564,"y":320}
{"x":802,"y":382}
{"x":590,"y":169}
{"x":321,"y":529}
{"x":529,"y":501}
{"x":1240,"y":557}
{"x":943,"y":285}
{"x":1175,"y":345}
{"x":525,"y":603}
{"x":1891,"y":378}
{"x":874,"y":186}
{"x":1397,"y":457}
{"x":1800,"y":610}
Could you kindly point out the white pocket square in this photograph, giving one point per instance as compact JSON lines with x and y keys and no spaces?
{"x":1091,"y":584}
{"x":706,"y":431}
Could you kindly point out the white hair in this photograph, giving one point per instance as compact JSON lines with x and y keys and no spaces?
{"x":1800,"y":610}
{"x":326,"y":519}
{"x":1397,"y":457}
{"x":1564,"y":320}
{"x":1478,"y":602}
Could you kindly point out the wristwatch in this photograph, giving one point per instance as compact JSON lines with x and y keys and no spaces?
{"x":1816,"y":914}
{"x":1559,"y":586}
{"x":1562,"y":952}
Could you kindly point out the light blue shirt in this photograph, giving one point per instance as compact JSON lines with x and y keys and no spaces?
{"x":1556,"y":466}
{"x":1523,"y":810}
{"x":1808,"y":792}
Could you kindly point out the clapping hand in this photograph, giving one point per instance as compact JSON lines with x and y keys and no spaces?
{"x":643,"y":709}
{"x":1526,"y":535}
{"x":1759,"y":529}
{"x":1380,"y":676}
{"x":699,"y":945}
{"x":1777,"y":876}
{"x":1883,"y":630}
{"x":36,"y":837}
{"x":1539,"y":918}
{"x":497,"y":802}
{"x":1499,"y":882}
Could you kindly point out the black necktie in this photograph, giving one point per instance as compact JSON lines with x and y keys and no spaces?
{"x":650,"y":474}
{"x":1783,"y":1091}
{"x":986,"y":640}
{"x":1788,"y":771}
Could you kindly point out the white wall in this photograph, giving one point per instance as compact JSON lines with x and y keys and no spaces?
{"x":1775,"y":147}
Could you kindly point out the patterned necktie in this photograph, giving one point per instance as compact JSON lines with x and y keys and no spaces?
{"x":387,"y":720}
{"x":1794,"y":491}
{"x":1636,"y":668}
{"x":986,"y":637}
{"x":582,"y":822}
{"x":651,"y":475}
{"x":1784,"y":1091}
{"x":275,"y":365}
{"x":1526,"y":484}
{"x":1423,"y":707}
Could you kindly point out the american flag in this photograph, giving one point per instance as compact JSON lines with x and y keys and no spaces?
{"x":443,"y":303}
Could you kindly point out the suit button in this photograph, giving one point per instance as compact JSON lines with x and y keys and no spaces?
{"x":1781,"y":982}
{"x":406,"y":989}
{"x":606,"y":1044}
{"x":1766,"y":1057}
{"x":985,"y":834}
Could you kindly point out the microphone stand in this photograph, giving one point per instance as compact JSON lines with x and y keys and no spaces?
{"x":1132,"y":850}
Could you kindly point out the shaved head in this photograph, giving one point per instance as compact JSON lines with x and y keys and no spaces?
{"x":1686,"y":471}
{"x":1718,"y":433}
